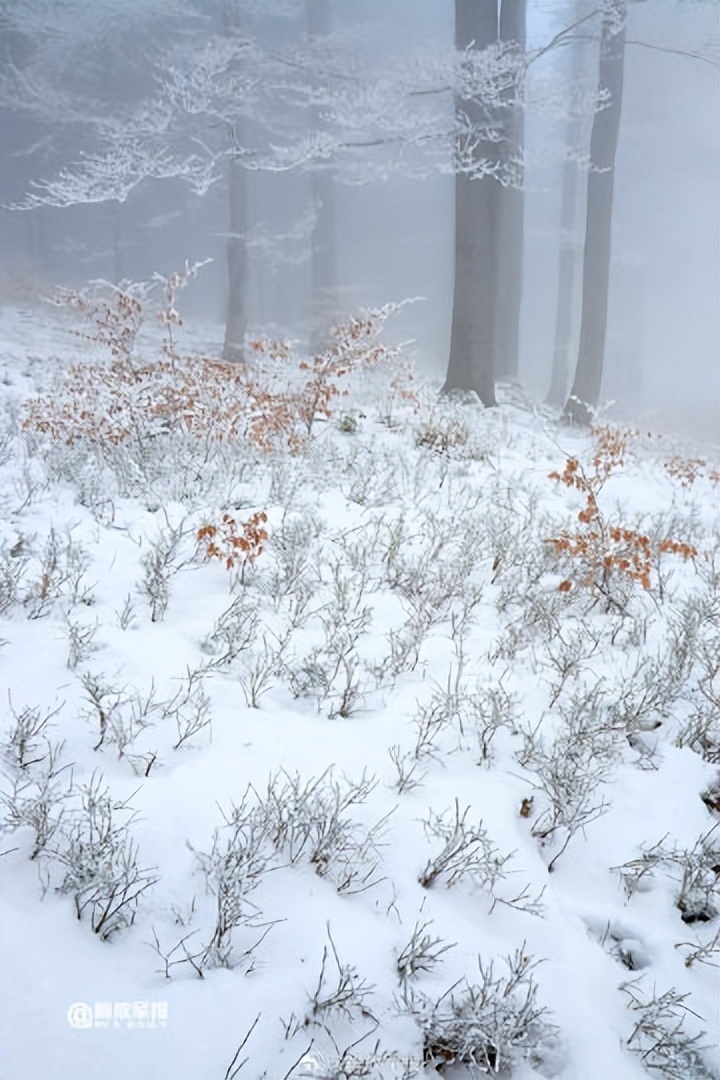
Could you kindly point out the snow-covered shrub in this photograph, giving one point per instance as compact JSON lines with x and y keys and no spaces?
{"x":234,"y":632}
{"x":233,"y":868}
{"x":189,"y":708}
{"x":234,"y":544}
{"x":687,"y":470}
{"x":26,"y":743}
{"x":81,"y":641}
{"x":275,"y":402}
{"x":443,"y":432}
{"x":571,"y":770}
{"x":36,"y":796}
{"x":160,"y":565}
{"x":467,"y":851}
{"x":309,"y":821}
{"x":330,"y":671}
{"x":604,"y":556}
{"x":114,"y":313}
{"x":340,"y":990}
{"x":105,"y":703}
{"x":259,"y":669}
{"x":100,"y":861}
{"x":57,"y":573}
{"x":693,"y":870}
{"x":659,"y":1036}
{"x":422,"y":953}
{"x":701,"y":729}
{"x":493,"y":1024}
{"x":14,"y":561}
{"x":293,"y":548}
{"x":702,"y":952}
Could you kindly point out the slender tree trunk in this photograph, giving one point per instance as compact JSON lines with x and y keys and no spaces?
{"x":323,"y":254}
{"x":472,"y":345}
{"x":511,"y":205}
{"x":236,"y":318}
{"x":120,"y":271}
{"x":585,"y":392}
{"x":324,"y":271}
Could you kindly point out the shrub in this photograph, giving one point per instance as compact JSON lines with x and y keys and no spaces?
{"x":492,"y":1024}
{"x":659,"y":1036}
{"x":205,"y":398}
{"x":226,"y":542}
{"x":602,"y":550}
{"x":100,"y":858}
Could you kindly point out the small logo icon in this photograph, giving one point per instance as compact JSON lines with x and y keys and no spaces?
{"x":80,"y":1015}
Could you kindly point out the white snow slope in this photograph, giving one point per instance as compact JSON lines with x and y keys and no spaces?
{"x":389,"y":801}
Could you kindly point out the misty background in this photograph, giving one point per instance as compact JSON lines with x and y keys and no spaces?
{"x":394,"y":227}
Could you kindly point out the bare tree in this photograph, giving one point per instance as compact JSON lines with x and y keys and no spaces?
{"x":488,"y":200}
{"x":472,"y":343}
{"x":511,"y":198}
{"x":570,"y":242}
{"x":598,"y":228}
{"x":323,"y":254}
{"x":236,"y":315}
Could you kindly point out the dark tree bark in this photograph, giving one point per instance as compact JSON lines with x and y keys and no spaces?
{"x":585,"y":391}
{"x":323,"y":254}
{"x":471,"y":366}
{"x":511,"y":205}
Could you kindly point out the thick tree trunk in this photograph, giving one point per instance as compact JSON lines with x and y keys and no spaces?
{"x":570,"y":246}
{"x":511,"y":206}
{"x":585,"y":392}
{"x":323,"y":254}
{"x":236,"y":318}
{"x":472,"y":346}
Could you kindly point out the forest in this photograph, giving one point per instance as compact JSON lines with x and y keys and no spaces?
{"x":315,"y":153}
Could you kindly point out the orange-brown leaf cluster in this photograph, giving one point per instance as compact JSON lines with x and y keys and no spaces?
{"x":686,"y":470}
{"x":201,"y":397}
{"x":603,"y":549}
{"x":232,"y":542}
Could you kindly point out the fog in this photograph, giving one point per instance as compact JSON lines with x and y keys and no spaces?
{"x":394,"y":226}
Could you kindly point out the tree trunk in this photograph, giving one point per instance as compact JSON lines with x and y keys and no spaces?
{"x":570,"y":245}
{"x":567,"y":274}
{"x":511,"y":205}
{"x":585,"y":392}
{"x":323,"y":254}
{"x":471,"y":366}
{"x":236,"y":315}
{"x":236,"y":318}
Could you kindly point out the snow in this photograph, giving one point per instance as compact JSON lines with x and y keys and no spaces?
{"x":383,"y":529}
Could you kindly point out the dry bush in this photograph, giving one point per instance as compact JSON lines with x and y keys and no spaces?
{"x":687,"y":470}
{"x":273,"y":403}
{"x":225,"y":542}
{"x":603,"y":552}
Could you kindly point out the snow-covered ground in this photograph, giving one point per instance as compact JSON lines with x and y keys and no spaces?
{"x":307,"y":813}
